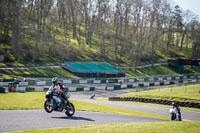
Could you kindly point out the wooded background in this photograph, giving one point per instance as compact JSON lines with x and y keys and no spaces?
{"x":131,"y":31}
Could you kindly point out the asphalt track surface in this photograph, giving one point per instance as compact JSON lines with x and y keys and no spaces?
{"x":186,"y":115}
{"x":85,"y":97}
{"x":18,"y":120}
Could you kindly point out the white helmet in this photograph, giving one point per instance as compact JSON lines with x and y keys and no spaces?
{"x":55,"y":80}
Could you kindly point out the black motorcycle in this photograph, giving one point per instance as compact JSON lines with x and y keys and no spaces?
{"x":51,"y":105}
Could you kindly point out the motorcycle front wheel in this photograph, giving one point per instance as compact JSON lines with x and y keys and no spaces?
{"x":70,"y":110}
{"x":173,"y":117}
{"x":48,"y":105}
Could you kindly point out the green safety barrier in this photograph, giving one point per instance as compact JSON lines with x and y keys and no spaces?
{"x":30,"y":89}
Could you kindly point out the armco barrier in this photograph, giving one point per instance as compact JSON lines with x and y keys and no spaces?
{"x":28,"y":89}
{"x":40,"y":89}
{"x":47,"y":82}
{"x":20,"y":89}
{"x":135,"y":85}
{"x":3,"y":84}
{"x":156,"y":101}
{"x":2,"y":90}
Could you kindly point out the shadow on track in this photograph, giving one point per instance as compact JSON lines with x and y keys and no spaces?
{"x":74,"y":118}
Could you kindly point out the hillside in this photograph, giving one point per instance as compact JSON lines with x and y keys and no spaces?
{"x":34,"y":33}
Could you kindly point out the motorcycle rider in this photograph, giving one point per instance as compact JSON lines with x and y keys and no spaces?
{"x":59,"y":89}
{"x":57,"y":99}
{"x":176,"y":106}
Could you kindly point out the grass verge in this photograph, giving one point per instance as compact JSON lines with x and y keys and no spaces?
{"x":187,"y":93}
{"x":141,"y":127}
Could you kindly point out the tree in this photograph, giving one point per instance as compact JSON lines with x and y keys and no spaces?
{"x":90,"y":11}
{"x":177,"y":14}
{"x":103,"y":14}
{"x":16,"y":7}
{"x":74,"y":5}
{"x":188,"y":18}
{"x":140,"y":17}
{"x":195,"y":37}
{"x":5,"y":21}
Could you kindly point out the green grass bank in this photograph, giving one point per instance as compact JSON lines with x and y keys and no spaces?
{"x":141,"y":127}
{"x":62,"y":73}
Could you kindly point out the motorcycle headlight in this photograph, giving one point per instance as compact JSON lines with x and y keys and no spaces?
{"x":172,"y":111}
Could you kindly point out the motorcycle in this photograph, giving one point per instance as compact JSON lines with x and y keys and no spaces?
{"x":65,"y":105}
{"x":175,"y":114}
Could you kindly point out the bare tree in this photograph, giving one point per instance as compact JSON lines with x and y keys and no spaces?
{"x":103,"y":14}
{"x":179,"y":22}
{"x":140,"y":17}
{"x":74,"y":5}
{"x":90,"y":10}
{"x":16,"y":7}
{"x":195,"y":37}
{"x":188,"y":18}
